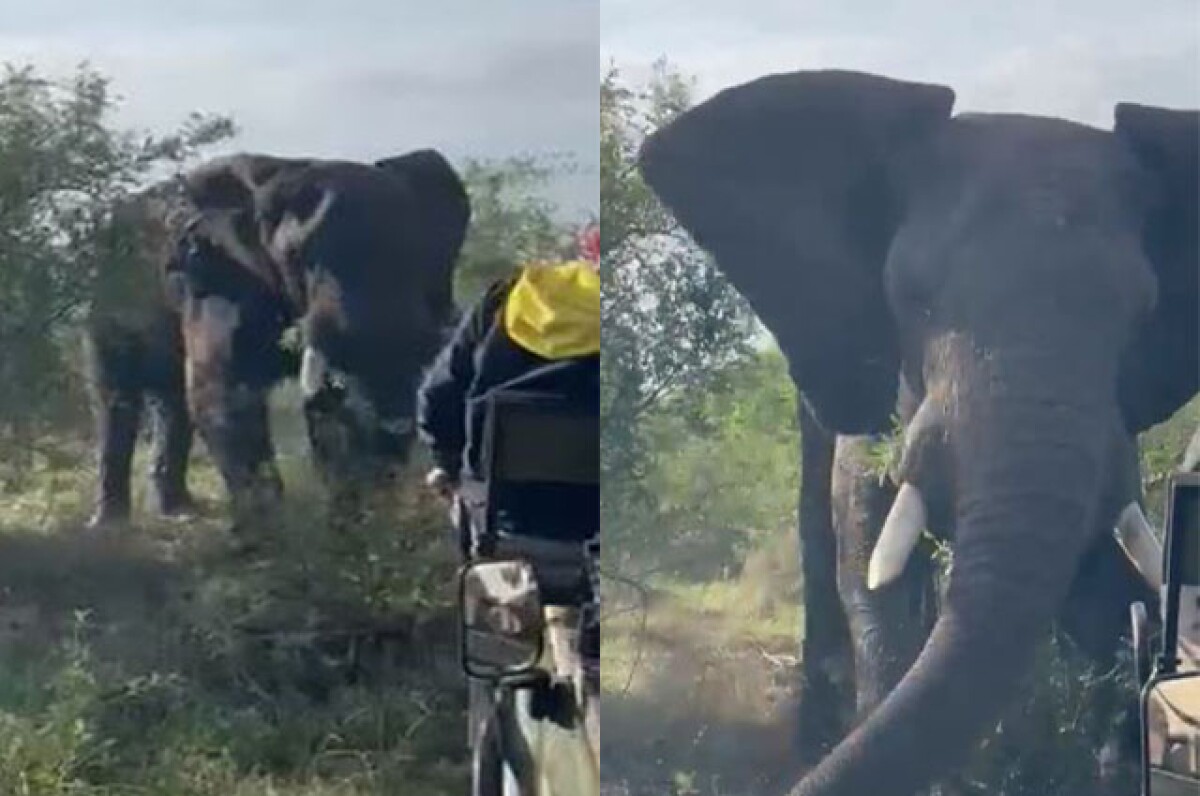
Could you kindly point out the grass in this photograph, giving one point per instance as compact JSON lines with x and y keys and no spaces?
{"x":159,"y":661}
{"x":697,"y":678}
{"x":1162,"y":448}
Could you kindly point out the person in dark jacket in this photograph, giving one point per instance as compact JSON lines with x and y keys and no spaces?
{"x":541,"y":324}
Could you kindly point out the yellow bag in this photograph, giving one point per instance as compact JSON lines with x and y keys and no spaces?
{"x":553,"y":310}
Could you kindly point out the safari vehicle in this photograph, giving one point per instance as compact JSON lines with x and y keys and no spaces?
{"x":1170,"y":697}
{"x":530,"y":632}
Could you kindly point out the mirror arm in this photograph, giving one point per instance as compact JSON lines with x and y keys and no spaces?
{"x":514,"y":748}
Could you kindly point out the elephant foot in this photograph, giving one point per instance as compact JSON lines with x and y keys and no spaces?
{"x":107,"y":517}
{"x":346,"y":511}
{"x":252,"y":531}
{"x":821,"y":720}
{"x":175,"y":506}
{"x":246,"y":548}
{"x":243,"y":544}
{"x":814,"y":738}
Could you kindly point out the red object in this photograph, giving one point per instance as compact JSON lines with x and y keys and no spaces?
{"x":589,"y":243}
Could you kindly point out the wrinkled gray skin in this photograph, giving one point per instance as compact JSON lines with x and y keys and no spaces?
{"x":358,"y":257}
{"x":1029,"y":284}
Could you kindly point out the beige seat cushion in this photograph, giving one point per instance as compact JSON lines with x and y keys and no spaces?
{"x":1175,"y":726}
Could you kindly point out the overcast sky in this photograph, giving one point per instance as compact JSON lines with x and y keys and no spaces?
{"x":368,"y":78}
{"x":1069,"y":58}
{"x":350,"y":78}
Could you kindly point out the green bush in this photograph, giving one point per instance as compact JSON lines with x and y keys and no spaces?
{"x":64,"y":167}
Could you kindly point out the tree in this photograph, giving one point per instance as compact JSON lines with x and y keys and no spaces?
{"x":511,"y":220}
{"x":725,"y":473}
{"x":64,"y":167}
{"x":670,"y":319}
{"x":732,"y":465}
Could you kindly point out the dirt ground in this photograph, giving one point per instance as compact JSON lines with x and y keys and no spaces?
{"x":698,"y":701}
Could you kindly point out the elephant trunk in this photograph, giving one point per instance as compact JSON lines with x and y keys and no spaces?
{"x":1029,"y":469}
{"x":230,"y":413}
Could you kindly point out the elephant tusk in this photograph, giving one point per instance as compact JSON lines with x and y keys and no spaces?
{"x":313,"y":371}
{"x":901,"y":532}
{"x":1142,"y":548}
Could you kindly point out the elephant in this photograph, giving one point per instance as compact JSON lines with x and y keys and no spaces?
{"x":227,"y":259}
{"x":1017,"y":293}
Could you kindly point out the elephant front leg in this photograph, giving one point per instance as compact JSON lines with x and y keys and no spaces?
{"x":349,"y":464}
{"x":238,"y":437}
{"x":888,"y":626}
{"x":827,"y":664}
{"x":118,"y":415}
{"x":329,"y":442}
{"x":172,"y":447}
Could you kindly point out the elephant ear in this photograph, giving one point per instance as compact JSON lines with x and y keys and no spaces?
{"x":1161,"y":368}
{"x":229,"y":193}
{"x":443,"y":212}
{"x":786,"y":181}
{"x":232,"y":181}
{"x":441,"y":200}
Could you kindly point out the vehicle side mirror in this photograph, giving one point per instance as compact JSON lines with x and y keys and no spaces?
{"x":503,"y":625}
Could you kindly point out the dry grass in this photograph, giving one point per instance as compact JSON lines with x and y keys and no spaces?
{"x":698,"y":688}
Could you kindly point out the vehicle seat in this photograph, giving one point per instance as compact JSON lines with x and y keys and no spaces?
{"x":540,"y":495}
{"x":1174,"y":724}
{"x":1174,"y":708}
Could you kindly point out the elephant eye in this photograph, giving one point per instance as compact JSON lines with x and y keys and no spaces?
{"x":911,"y":294}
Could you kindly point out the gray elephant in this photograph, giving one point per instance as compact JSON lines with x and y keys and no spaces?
{"x":1022,"y":292}
{"x":358,"y":257}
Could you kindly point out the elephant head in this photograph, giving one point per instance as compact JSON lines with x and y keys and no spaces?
{"x":1030,"y":281}
{"x":359,"y":258}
